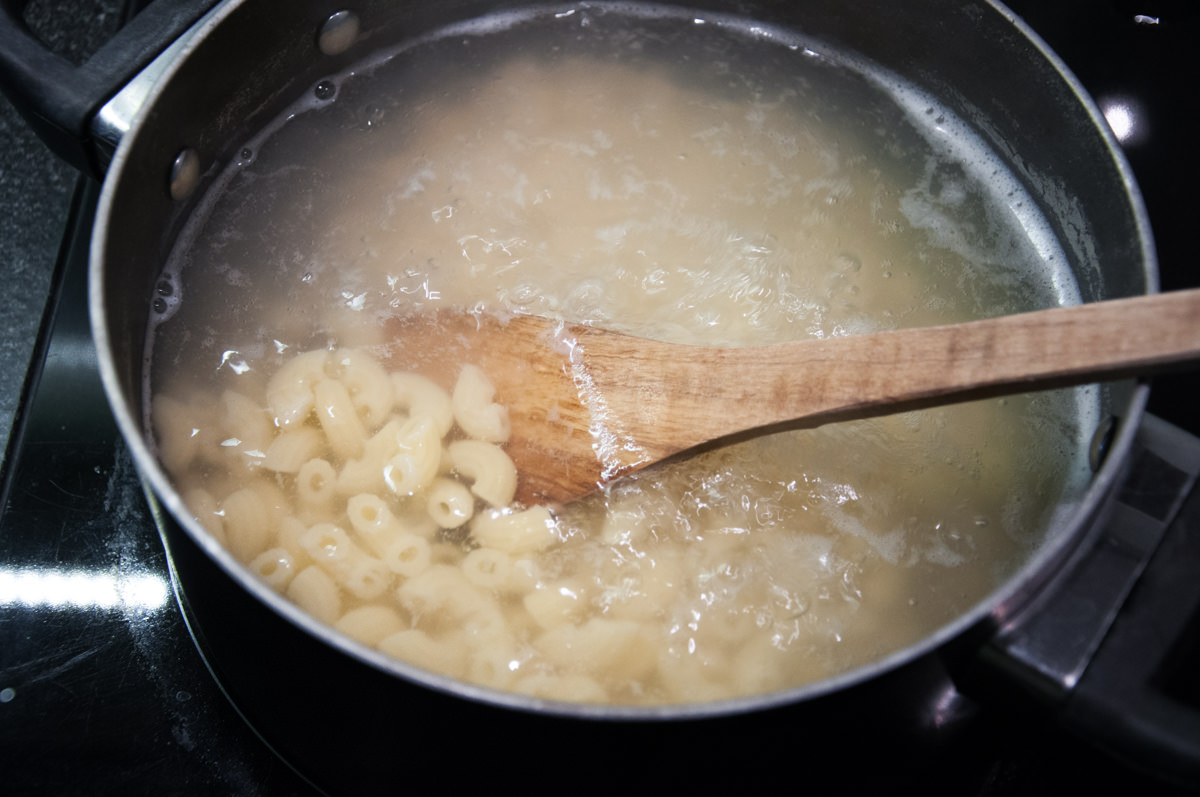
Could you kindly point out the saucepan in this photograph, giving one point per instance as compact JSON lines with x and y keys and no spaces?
{"x":167,"y":131}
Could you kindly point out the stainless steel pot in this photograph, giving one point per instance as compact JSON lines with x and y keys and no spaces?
{"x":248,"y":58}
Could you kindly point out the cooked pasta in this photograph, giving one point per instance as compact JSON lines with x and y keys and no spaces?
{"x":288,"y":452}
{"x":247,"y":523}
{"x":371,"y":623}
{"x":315,"y":591}
{"x":339,"y":418}
{"x":407,"y":555}
{"x":290,"y":391}
{"x":415,"y":465}
{"x":526,"y":531}
{"x":418,"y":395}
{"x":207,"y":511}
{"x":315,"y":484}
{"x":450,"y":503}
{"x":368,"y":385}
{"x":274,"y":566}
{"x":492,"y":474}
{"x":474,"y":410}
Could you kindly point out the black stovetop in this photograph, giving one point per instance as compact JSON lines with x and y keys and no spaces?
{"x":101,"y":688}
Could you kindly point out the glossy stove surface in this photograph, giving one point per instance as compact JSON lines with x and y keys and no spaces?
{"x":102,"y":690}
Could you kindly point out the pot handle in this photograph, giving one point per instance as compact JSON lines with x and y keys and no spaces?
{"x":1114,"y":648}
{"x":58,"y":99}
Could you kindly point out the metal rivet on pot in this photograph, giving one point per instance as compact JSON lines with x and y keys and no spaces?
{"x":338,"y":33}
{"x":1101,"y":442}
{"x":185,"y":173}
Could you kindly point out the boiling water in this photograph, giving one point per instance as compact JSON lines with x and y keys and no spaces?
{"x":694,"y":180}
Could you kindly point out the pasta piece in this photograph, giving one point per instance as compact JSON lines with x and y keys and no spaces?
{"x":492,"y":473}
{"x":567,"y":688}
{"x":291,"y":449}
{"x":291,"y":529}
{"x":523,"y":532}
{"x":442,"y":596}
{"x":493,"y":659}
{"x":377,"y":527}
{"x":414,"y":468}
{"x":476,"y":413}
{"x":757,"y":667}
{"x":332,"y":549}
{"x":368,"y":384}
{"x":524,"y":576}
{"x":207,"y":512}
{"x":247,"y":522}
{"x":290,"y":390}
{"x":176,"y":433}
{"x":314,"y":591}
{"x":407,"y":555}
{"x":275,"y":566}
{"x":697,"y":676}
{"x":442,"y":656}
{"x":315,"y":484}
{"x":643,"y":589}
{"x":245,"y":427}
{"x":483,"y":625}
{"x":449,"y":503}
{"x":418,"y":395}
{"x":366,"y":474}
{"x":370,"y":624}
{"x":487,"y":568}
{"x":368,"y":578}
{"x":560,"y":603}
{"x":274,"y":499}
{"x":339,"y":419}
{"x":620,"y":649}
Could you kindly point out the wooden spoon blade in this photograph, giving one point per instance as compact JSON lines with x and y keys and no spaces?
{"x":556,"y":445}
{"x":588,"y":405}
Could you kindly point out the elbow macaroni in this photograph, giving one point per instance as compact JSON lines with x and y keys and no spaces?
{"x":474,"y":410}
{"x":493,"y":475}
{"x":382,"y":505}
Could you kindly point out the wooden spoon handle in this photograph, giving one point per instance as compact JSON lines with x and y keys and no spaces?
{"x":855,"y":376}
{"x":1063,"y":346}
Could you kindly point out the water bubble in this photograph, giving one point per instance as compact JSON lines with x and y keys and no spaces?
{"x":245,"y":156}
{"x":165,"y":288}
{"x":373,"y":115}
{"x":159,"y":304}
{"x":325,"y":90}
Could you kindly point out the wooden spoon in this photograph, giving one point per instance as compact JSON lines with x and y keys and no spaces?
{"x":588,"y":405}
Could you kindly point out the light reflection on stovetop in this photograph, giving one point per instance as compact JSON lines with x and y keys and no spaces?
{"x":101,"y":689}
